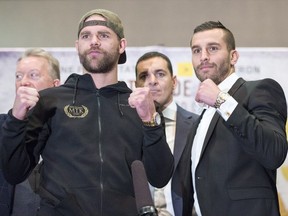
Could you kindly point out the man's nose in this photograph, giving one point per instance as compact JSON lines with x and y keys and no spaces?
{"x":152,"y":80}
{"x":25,"y":81}
{"x":204,"y":55}
{"x":95,"y":41}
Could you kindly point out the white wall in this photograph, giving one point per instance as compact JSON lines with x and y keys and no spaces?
{"x":53,"y":23}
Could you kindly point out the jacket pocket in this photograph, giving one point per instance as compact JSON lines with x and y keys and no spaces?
{"x":251,"y":193}
{"x":64,"y":206}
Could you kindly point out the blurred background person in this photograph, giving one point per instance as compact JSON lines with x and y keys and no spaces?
{"x":154,"y":70}
{"x":36,"y":69}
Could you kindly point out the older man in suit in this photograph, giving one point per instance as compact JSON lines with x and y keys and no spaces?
{"x":36,"y":70}
{"x":154,"y":70}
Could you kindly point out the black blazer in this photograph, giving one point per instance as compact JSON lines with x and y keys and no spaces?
{"x":236,"y":173}
{"x":17,"y":199}
{"x":6,"y":190}
{"x":185,"y":122}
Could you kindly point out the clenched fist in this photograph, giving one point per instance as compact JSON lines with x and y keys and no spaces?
{"x":26,"y":98}
{"x":142,"y":100}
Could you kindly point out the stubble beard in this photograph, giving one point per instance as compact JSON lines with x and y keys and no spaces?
{"x":102,"y":65}
{"x":218,"y":75}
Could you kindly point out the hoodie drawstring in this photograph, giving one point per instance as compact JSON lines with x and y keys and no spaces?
{"x":75,"y":91}
{"x":118,"y":104}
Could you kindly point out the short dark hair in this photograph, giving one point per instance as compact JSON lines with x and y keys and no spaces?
{"x":229,"y":37}
{"x":153,"y":54}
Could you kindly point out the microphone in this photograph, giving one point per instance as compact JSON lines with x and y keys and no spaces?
{"x":143,"y":196}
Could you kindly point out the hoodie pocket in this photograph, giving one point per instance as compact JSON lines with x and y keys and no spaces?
{"x":65,"y":206}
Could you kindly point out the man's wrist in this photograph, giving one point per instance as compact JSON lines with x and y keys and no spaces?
{"x":155,"y":120}
{"x":221,"y":98}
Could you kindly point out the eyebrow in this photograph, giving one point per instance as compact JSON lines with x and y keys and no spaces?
{"x":214,"y":43}
{"x":156,"y":71}
{"x":209,"y":44}
{"x":195,"y":46}
{"x":98,"y":32}
{"x":141,"y":72}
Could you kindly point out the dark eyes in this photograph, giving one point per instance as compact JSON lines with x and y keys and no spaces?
{"x":158,"y":75}
{"x":210,"y":50}
{"x":143,"y":76}
{"x":33,"y":75}
{"x":100,"y":36}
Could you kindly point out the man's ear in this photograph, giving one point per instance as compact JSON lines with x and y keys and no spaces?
{"x":56,"y":82}
{"x":175,"y":82}
{"x":76,"y":45}
{"x":234,"y":57}
{"x":123,"y":45}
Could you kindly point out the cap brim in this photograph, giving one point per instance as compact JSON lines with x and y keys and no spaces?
{"x":122,"y":58}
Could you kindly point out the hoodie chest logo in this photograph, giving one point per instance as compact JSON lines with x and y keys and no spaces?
{"x":76,"y":111}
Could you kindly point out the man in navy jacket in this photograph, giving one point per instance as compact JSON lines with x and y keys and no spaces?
{"x":40,"y":70}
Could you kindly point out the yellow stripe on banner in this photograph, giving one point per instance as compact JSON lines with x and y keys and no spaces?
{"x":287,"y":129}
{"x":284,"y":172}
{"x":185,"y":69}
{"x":283,"y":208}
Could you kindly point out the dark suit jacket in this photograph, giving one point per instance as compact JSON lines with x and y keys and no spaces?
{"x":16,"y":200}
{"x":236,"y":173}
{"x":6,"y":194}
{"x":6,"y":190}
{"x":185,"y":121}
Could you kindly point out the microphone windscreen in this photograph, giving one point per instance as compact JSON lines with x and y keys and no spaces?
{"x":141,"y":188}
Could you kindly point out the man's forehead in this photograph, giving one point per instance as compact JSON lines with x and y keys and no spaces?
{"x":154,"y":62}
{"x":32,"y":60}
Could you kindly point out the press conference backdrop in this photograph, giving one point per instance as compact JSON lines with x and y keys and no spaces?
{"x":254,"y":63}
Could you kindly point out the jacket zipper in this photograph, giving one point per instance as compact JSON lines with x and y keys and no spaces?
{"x":100,"y":153}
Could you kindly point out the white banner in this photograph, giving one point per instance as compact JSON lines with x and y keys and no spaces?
{"x":254,"y":63}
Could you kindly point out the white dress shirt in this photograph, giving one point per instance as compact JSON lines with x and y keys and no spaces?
{"x":225,"y":111}
{"x":169,"y":113}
